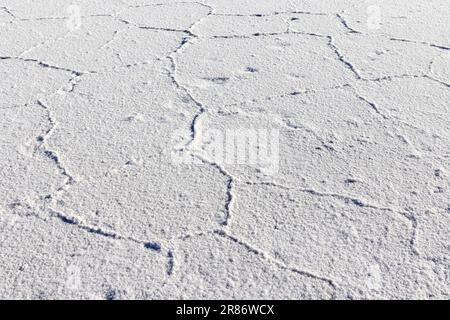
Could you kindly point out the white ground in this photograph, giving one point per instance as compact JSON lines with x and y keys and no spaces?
{"x":101,"y":100}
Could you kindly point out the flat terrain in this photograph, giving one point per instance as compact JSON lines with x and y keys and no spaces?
{"x":276,"y":149}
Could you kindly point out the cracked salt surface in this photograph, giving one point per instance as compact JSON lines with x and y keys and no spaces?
{"x":288,"y":149}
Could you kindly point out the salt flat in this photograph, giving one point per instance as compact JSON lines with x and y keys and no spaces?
{"x":224,"y":149}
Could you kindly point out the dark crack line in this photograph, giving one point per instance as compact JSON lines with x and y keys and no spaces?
{"x":252,"y":35}
{"x":265,"y":256}
{"x":438,"y":81}
{"x":392,"y":77}
{"x":164,"y":4}
{"x":41,"y":141}
{"x":288,"y":94}
{"x":90,"y":229}
{"x":42,"y":43}
{"x":412,"y":242}
{"x":267,"y":183}
{"x":172,"y":74}
{"x":266,"y":34}
{"x":290,"y":125}
{"x":144,"y":27}
{"x":346,"y":199}
{"x":73,"y":221}
{"x":228,"y":201}
{"x":73,"y":83}
{"x":372,"y":105}
{"x":276,"y":13}
{"x":228,"y":206}
{"x":201,"y":109}
{"x":358,"y":203}
{"x":189,"y":33}
{"x":148,"y":245}
{"x":170,"y":263}
{"x":32,"y":212}
{"x":100,"y":15}
{"x":52,"y":155}
{"x":195,"y":121}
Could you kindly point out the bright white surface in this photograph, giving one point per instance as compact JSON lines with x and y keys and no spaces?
{"x":96,"y":95}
